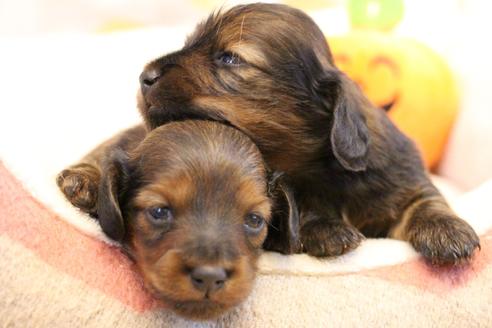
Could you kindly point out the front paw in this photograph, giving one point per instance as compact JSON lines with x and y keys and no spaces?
{"x":80,"y":185}
{"x":323,"y":238}
{"x":444,"y":239}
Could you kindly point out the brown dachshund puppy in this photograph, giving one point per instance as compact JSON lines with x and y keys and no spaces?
{"x":190,"y":204}
{"x":267,"y":70}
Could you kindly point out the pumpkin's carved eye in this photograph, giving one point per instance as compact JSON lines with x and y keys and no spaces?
{"x":343,"y":62}
{"x":382,"y":81}
{"x":383,"y":60}
{"x":388,"y":106}
{"x":379,"y":81}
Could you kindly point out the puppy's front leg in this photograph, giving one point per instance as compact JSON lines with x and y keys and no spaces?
{"x":322,"y":237}
{"x":436,"y":232}
{"x":80,"y":182}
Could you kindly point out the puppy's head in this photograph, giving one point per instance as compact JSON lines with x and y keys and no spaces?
{"x":191,"y":205}
{"x":267,"y":70}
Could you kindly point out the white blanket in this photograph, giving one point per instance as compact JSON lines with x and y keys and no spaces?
{"x":63,"y":95}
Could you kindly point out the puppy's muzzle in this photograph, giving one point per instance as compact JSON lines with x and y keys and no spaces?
{"x":208,"y":279}
{"x":149,"y":77}
{"x":152,"y":74}
{"x":209,"y":261}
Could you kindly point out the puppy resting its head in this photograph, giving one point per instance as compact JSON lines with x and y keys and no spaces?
{"x":190,"y":204}
{"x":267,"y":70}
{"x":256,"y":67}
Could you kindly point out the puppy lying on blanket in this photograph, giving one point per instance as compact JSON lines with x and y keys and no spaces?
{"x":190,"y":203}
{"x":267,"y":70}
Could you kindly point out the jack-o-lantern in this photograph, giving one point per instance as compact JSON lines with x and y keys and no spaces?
{"x":408,"y":80}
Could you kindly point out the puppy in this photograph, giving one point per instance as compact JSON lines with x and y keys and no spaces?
{"x":267,"y":70}
{"x":190,"y":203}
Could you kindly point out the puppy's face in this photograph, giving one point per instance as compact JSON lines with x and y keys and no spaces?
{"x":258,"y":67}
{"x":191,"y":206}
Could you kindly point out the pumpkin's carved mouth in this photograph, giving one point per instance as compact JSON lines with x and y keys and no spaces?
{"x":389,"y":105}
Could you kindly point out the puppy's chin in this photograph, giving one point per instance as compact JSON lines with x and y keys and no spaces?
{"x":157,"y":115}
{"x":160,"y":115}
{"x":200,"y":310}
{"x":206,"y":308}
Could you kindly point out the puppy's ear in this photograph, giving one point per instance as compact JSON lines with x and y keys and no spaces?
{"x":114,"y":175}
{"x":349,"y":133}
{"x":283,"y":232}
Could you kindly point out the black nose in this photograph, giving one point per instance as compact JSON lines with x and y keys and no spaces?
{"x":148,"y":77}
{"x":208,"y":278}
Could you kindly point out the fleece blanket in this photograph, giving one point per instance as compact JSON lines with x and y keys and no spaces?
{"x":59,"y":270}
{"x":53,"y":275}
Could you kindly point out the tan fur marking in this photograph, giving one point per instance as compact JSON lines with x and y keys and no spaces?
{"x":250,"y":53}
{"x":399,"y":231}
{"x":174,"y":192}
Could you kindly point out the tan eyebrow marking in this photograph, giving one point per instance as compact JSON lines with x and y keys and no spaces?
{"x":249,"y":52}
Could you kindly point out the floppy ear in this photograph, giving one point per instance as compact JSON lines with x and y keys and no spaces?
{"x":349,"y":134}
{"x":283,"y":231}
{"x":114,"y":174}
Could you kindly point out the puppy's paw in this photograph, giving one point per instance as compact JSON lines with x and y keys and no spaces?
{"x":444,"y":239}
{"x":80,"y":185}
{"x":323,"y":238}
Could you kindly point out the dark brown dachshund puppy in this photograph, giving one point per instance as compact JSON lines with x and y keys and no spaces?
{"x":267,"y":70}
{"x":190,"y":204}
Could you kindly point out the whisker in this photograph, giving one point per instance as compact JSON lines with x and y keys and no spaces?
{"x":241,"y":31}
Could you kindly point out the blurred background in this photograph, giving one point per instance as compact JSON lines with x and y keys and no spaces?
{"x":436,"y":54}
{"x":429,"y":20}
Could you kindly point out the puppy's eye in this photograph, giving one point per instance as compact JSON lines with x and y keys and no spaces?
{"x":230,"y":59}
{"x":254,"y":223}
{"x":160,"y":214}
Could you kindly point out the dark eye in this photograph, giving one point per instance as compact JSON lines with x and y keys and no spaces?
{"x":254,"y":223}
{"x":230,"y":59}
{"x":160,"y":214}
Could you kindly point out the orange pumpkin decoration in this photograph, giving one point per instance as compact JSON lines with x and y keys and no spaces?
{"x":407,"y":79}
